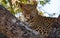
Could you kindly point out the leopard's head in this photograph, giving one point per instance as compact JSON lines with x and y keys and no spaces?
{"x":29,"y":10}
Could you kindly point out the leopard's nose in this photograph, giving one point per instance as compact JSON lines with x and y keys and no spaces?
{"x":28,"y":17}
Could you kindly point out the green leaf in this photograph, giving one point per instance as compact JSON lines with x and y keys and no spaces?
{"x":47,"y":0}
{"x":4,"y":1}
{"x":42,"y":2}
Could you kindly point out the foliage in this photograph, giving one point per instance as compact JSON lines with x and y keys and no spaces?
{"x":13,"y":5}
{"x":43,"y":2}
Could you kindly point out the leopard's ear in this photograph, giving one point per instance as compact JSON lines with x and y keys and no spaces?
{"x":21,"y":5}
{"x":35,"y":3}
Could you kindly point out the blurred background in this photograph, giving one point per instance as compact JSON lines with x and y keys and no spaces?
{"x":48,"y":8}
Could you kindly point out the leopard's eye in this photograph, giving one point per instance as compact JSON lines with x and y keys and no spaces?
{"x":31,"y":17}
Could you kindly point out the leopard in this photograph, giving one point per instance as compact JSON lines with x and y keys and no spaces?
{"x":42,"y":24}
{"x":37,"y":22}
{"x":27,"y":10}
{"x":11,"y":27}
